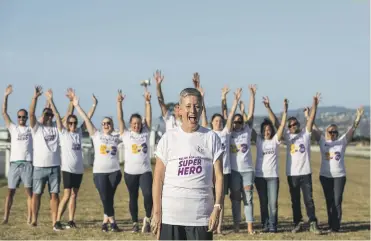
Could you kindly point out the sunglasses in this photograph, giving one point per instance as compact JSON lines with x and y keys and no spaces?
{"x":106,"y":123}
{"x":72,"y":123}
{"x":293,"y":124}
{"x":49,"y":114}
{"x":333,"y":132}
{"x":22,"y":117}
{"x":238,"y":122}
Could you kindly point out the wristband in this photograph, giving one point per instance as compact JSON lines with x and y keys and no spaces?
{"x":218,"y":206}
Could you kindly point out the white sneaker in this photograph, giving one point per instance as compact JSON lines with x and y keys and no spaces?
{"x":146,"y":225}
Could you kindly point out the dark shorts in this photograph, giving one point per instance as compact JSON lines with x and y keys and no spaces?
{"x":175,"y":232}
{"x":71,"y":180}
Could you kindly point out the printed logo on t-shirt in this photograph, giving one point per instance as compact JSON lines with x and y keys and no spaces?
{"x":333,"y":155}
{"x":297,"y":148}
{"x":105,"y":150}
{"x":49,"y":137}
{"x":223,"y":146}
{"x":76,"y":146}
{"x":268,"y":151}
{"x":241,"y":147}
{"x":136,"y":149}
{"x":23,"y":136}
{"x":189,"y":165}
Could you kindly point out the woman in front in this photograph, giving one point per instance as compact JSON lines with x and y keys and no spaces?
{"x":137,"y":170}
{"x":332,"y":172}
{"x":187,"y":158}
{"x":72,"y":162}
{"x":266,"y":170}
{"x":106,"y":168}
{"x":242,"y":175}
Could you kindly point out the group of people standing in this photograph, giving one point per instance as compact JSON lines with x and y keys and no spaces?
{"x":196,"y":164}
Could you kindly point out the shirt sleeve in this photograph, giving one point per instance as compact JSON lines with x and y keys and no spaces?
{"x":216,"y":147}
{"x":11,"y":128}
{"x":275,"y":138}
{"x":35,"y":128}
{"x":161,"y":149}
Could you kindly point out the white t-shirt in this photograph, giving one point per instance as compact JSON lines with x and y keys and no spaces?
{"x":187,"y":196}
{"x":267,"y":157}
{"x":21,"y":143}
{"x":46,"y":146}
{"x":240,"y":153}
{"x":225,"y":137}
{"x":332,"y":155}
{"x":171,"y":122}
{"x":106,"y":153}
{"x":137,"y":159}
{"x":71,"y":151}
{"x":298,"y":153}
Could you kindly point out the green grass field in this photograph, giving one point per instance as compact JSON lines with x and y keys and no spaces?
{"x":89,"y":214}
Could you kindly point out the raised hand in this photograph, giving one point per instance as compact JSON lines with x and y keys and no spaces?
{"x":70,"y":94}
{"x":38,"y":91}
{"x":252,"y":89}
{"x":158,"y":77}
{"x":95,"y":101}
{"x":49,"y":94}
{"x":360,"y":112}
{"x":8,"y":90}
{"x":266,"y":101}
{"x":285,"y":105}
{"x":196,"y":80}
{"x":120,"y":96}
{"x":225,"y":91}
{"x":75,"y":101}
{"x":147,"y":96}
{"x":237,"y":94}
{"x":306,"y":112}
{"x":317,"y":98}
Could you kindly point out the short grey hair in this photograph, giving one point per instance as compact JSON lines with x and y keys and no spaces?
{"x":190,"y":92}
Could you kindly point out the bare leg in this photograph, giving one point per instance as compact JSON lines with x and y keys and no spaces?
{"x":29,"y":204}
{"x":72,"y":204}
{"x":54,"y":201}
{"x":8,"y":205}
{"x":63,"y":204}
{"x":35,"y":208}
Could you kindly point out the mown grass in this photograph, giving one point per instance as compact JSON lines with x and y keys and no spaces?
{"x":355,"y":223}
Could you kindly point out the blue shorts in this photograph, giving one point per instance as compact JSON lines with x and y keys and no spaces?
{"x":20,"y":171}
{"x":43,"y":175}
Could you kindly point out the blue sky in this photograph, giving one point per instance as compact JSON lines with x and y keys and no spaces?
{"x":288,"y":48}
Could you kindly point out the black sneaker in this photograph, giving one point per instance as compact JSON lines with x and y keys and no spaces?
{"x":298,"y":227}
{"x":114,"y":227}
{"x":135,"y":228}
{"x":104,"y":227}
{"x":265,"y":229}
{"x":57,"y":226}
{"x":71,"y":224}
{"x":314,"y":228}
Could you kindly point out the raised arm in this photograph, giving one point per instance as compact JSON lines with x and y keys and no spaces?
{"x":281,"y":128}
{"x":350,"y":133}
{"x":91,"y":111}
{"x":316,"y":132}
{"x":120,"y":113}
{"x":242,"y":110}
{"x":148,"y":109}
{"x":49,"y":97}
{"x":37,"y":93}
{"x":159,"y":78}
{"x":250,"y":115}
{"x":197,"y":85}
{"x":89,"y":125}
{"x":70,"y":95}
{"x":237,"y":96}
{"x":272,"y":117}
{"x":8,"y":91}
{"x":312,"y":115}
{"x":225,"y":91}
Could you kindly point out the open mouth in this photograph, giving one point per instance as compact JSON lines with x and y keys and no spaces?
{"x":192,"y":119}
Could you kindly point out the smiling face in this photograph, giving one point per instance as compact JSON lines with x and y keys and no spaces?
{"x":237,"y":122}
{"x":136,"y":124}
{"x":107,"y":126}
{"x":72,"y":124}
{"x":217,"y":123}
{"x":293,"y":125}
{"x":332,"y":133}
{"x":190,"y":108}
{"x":267,"y":132}
{"x":48,"y":117}
{"x":22,"y":117}
{"x":176,"y":111}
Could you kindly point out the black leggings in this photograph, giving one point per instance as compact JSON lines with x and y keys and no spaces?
{"x":106,"y":184}
{"x":133,"y":182}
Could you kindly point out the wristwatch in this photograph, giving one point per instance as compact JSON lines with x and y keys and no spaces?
{"x":218,"y":206}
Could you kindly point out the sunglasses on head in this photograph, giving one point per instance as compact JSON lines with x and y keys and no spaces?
{"x":106,"y":123}
{"x":293,"y":124}
{"x":22,"y":117}
{"x":333,"y":132}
